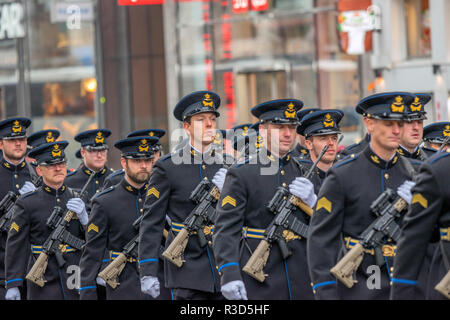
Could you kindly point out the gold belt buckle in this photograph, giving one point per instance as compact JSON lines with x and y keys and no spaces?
{"x":388,"y":250}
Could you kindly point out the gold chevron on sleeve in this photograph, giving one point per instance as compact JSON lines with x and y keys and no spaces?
{"x":14,"y":226}
{"x":229,"y":200}
{"x":92,"y":227}
{"x":154,"y":192}
{"x":324,"y":203}
{"x":418,"y":198}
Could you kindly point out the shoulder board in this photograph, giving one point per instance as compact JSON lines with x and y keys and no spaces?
{"x":303,"y":160}
{"x":241,"y":163}
{"x":101,"y":193}
{"x":26,"y":195}
{"x":72,"y":173}
{"x":439,"y":155}
{"x":167,"y":156}
{"x":346,"y":160}
{"x":116,"y":172}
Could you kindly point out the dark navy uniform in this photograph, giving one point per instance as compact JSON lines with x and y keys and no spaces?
{"x":110,"y":228}
{"x":243,"y":216}
{"x":13,"y":178}
{"x":171,"y":183}
{"x":435,"y":133}
{"x":28,"y":233}
{"x":342,"y":211}
{"x":354,"y":148}
{"x":91,"y":139}
{"x":113,"y":179}
{"x":430,"y":206}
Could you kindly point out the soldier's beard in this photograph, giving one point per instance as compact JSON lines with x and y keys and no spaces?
{"x":138,"y":177}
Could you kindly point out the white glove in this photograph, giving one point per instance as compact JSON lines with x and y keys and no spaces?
{"x":234,"y":290}
{"x":12,"y":294}
{"x":404,"y":190}
{"x":150,"y":285}
{"x":303,"y":189}
{"x":219,"y":178}
{"x":100,"y":282}
{"x":77,"y":205}
{"x":27,"y":187}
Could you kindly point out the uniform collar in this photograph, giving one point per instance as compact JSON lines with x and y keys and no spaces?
{"x":404,"y":152}
{"x":88,"y":171}
{"x":128,"y":187}
{"x":378,"y":161}
{"x":52,"y":191}
{"x":283,"y":161}
{"x":13,"y":167}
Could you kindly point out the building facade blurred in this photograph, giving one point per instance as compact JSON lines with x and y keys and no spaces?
{"x":81,"y":64}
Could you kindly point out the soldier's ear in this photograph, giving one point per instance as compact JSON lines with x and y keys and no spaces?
{"x":123,"y":162}
{"x":39,"y":171}
{"x":369,"y":123}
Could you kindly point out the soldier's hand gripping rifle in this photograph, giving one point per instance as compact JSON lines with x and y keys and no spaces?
{"x":206,"y":195}
{"x":444,"y":285}
{"x":284,"y":206}
{"x":58,"y":221}
{"x":388,"y":208}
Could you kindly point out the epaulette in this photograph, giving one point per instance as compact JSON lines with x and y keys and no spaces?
{"x":164,"y":158}
{"x":116,"y":172}
{"x":241,"y":163}
{"x":26,"y":195}
{"x":304,"y":160}
{"x":71,"y":173}
{"x":101,"y":193}
{"x":439,"y":155}
{"x":346,"y":160}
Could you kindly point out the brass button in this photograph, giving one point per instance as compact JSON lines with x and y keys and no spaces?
{"x":96,"y":182}
{"x":386,"y":176}
{"x":16,"y":176}
{"x":58,"y":200}
{"x":140,"y":200}
{"x":203,"y":166}
{"x":282,"y":172}
{"x":142,"y":210}
{"x":284,"y":184}
{"x":17,"y":186}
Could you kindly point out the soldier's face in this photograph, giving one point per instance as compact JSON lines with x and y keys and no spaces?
{"x":94,"y":159}
{"x":14,"y":149}
{"x":201,"y":129}
{"x":412,"y":134}
{"x":280,"y":138}
{"x":54,"y":174}
{"x":385,"y":133}
{"x":315,"y":145}
{"x":137,"y":170}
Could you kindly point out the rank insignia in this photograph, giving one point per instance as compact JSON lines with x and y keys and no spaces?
{"x":397,"y":105}
{"x":418,"y":198}
{"x":290,"y":111}
{"x":446,"y":131}
{"x":16,"y":127}
{"x":14,"y":226}
{"x":324,"y":203}
{"x":231,"y":201}
{"x":375,"y":159}
{"x":143,"y":147}
{"x":154,"y":192}
{"x":245,"y":131}
{"x":92,"y":227}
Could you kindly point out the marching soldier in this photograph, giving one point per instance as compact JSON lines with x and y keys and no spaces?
{"x":94,"y":151}
{"x":342,"y":211}
{"x":429,"y":206}
{"x":243,"y":216}
{"x":29,"y":230}
{"x":115,"y":177}
{"x":300,"y":149}
{"x":413,"y":129}
{"x":14,"y":172}
{"x":173,"y":178}
{"x":434,"y":136}
{"x":320,"y":128}
{"x":355,"y":148}
{"x":110,"y":226}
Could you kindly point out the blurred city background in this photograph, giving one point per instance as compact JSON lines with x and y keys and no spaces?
{"x":124,"y":64}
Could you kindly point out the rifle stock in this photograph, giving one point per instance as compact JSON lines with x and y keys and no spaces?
{"x":36,"y":274}
{"x":255,"y":265}
{"x":444,"y":286}
{"x":112,"y":271}
{"x":175,"y":250}
{"x":347,"y":266}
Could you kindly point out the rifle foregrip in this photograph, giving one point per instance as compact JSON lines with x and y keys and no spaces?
{"x":113,"y":270}
{"x":175,"y":250}
{"x":36,"y":273}
{"x":345,"y":269}
{"x":255,"y":265}
{"x":303,"y":206}
{"x":444,"y":286}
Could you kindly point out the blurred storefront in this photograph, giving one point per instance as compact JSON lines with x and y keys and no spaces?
{"x":253,"y":51}
{"x":47,"y":66}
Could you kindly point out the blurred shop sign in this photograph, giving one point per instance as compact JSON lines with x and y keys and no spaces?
{"x":11,"y":24}
{"x":241,"y":6}
{"x":71,"y":12}
{"x":259,"y":5}
{"x":356,"y":21}
{"x":138,"y":2}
